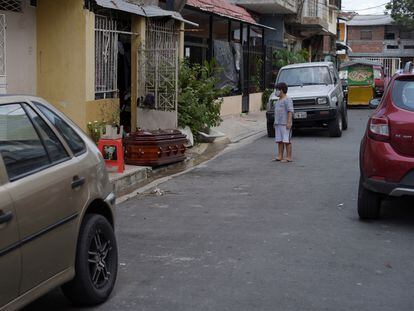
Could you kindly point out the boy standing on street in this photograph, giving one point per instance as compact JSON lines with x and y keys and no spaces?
{"x":283,"y":123}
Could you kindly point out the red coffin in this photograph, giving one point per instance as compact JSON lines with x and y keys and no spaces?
{"x":155,"y":148}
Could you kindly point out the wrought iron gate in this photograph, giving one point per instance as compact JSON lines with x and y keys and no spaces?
{"x":158,"y":64}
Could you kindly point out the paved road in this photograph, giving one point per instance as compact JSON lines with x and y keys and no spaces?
{"x":244,"y":233}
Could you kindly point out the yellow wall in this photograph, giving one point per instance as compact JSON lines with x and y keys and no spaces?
{"x":61,"y":57}
{"x":103,"y":110}
{"x":341,"y":31}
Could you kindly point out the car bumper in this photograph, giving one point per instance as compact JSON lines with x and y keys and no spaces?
{"x":388,"y":188}
{"x":314,"y":117}
{"x":380,"y":161}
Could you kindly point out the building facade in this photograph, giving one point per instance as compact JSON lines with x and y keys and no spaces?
{"x":377,"y":37}
{"x":96,"y":60}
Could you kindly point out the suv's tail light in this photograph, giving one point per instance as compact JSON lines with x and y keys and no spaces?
{"x":379,"y":129}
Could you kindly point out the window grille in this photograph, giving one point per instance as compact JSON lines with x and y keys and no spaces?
{"x":11,"y":5}
{"x":2,"y":45}
{"x":106,"y":57}
{"x":313,"y":8}
{"x":158,"y":64}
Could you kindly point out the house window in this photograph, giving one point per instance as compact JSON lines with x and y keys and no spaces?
{"x":406,"y":35}
{"x":392,"y":47}
{"x":11,"y":5}
{"x":389,"y":36}
{"x":408,"y":47}
{"x":106,"y":57}
{"x":366,"y":35}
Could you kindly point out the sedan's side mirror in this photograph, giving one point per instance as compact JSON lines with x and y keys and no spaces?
{"x":374,"y":103}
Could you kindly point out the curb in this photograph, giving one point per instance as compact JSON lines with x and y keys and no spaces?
{"x":126,"y":185}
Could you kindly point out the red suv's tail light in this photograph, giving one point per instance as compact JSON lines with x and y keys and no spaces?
{"x":379,"y":129}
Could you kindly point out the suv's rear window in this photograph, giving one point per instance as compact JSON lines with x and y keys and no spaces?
{"x":403,"y":94}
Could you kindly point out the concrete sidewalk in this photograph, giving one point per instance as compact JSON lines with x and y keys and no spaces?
{"x":235,"y":127}
{"x":239,"y":127}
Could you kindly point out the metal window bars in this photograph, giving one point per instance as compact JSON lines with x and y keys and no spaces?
{"x":158,"y":64}
{"x":2,"y":45}
{"x":11,"y":5}
{"x":106,"y":57}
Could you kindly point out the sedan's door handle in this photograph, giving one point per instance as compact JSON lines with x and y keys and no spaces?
{"x":5,"y":217}
{"x":77,"y":182}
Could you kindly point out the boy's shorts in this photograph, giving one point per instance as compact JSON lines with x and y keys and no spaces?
{"x":282,"y":134}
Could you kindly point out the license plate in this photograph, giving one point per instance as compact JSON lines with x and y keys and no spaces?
{"x":300,"y":115}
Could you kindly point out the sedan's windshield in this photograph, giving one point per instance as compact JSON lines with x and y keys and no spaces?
{"x":305,"y":76}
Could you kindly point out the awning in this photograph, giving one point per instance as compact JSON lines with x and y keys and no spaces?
{"x":225,"y":9}
{"x":342,"y":45}
{"x":142,"y":10}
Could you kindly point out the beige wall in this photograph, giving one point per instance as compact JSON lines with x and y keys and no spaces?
{"x":61,"y":58}
{"x":231,"y":105}
{"x":21,"y":50}
{"x":255,"y":102}
{"x":149,"y":119}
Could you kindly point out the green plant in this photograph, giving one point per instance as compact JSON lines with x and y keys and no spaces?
{"x":402,"y":11}
{"x":257,"y":76}
{"x":265,"y":98}
{"x":282,"y":58}
{"x":96,"y":129}
{"x":199,"y":100}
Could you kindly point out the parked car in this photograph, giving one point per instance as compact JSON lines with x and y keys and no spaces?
{"x":387,"y":148}
{"x":56,"y":208}
{"x":317,"y":95}
{"x":380,"y":80}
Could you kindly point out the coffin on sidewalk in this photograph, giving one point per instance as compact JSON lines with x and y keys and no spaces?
{"x":154,"y":148}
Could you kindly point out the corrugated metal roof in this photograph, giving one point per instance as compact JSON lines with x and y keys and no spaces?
{"x":144,"y":10}
{"x":370,"y":20}
{"x":225,"y":9}
{"x":360,"y":62}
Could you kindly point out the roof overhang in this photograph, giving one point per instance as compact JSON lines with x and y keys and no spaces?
{"x":224,"y":9}
{"x":150,"y":11}
{"x":341,"y":45}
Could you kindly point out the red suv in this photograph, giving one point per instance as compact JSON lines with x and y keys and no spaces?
{"x":387,"y":148}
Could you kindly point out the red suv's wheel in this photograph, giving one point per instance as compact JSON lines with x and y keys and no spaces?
{"x":369,"y":203}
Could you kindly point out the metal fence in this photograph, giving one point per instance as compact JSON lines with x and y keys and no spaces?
{"x":254,"y":62}
{"x":158,"y":65}
{"x":3,"y":83}
{"x":106,"y":53}
{"x":11,"y":5}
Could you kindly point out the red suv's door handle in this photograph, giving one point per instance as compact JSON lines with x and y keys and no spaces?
{"x":77,"y":182}
{"x":5,"y":217}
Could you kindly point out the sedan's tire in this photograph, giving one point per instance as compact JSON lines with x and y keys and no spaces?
{"x":335,"y":127}
{"x":369,"y":203}
{"x":96,"y":264}
{"x":270,"y":130}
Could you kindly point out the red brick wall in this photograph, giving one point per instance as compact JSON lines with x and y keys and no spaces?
{"x":366,"y":46}
{"x":327,"y":44}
